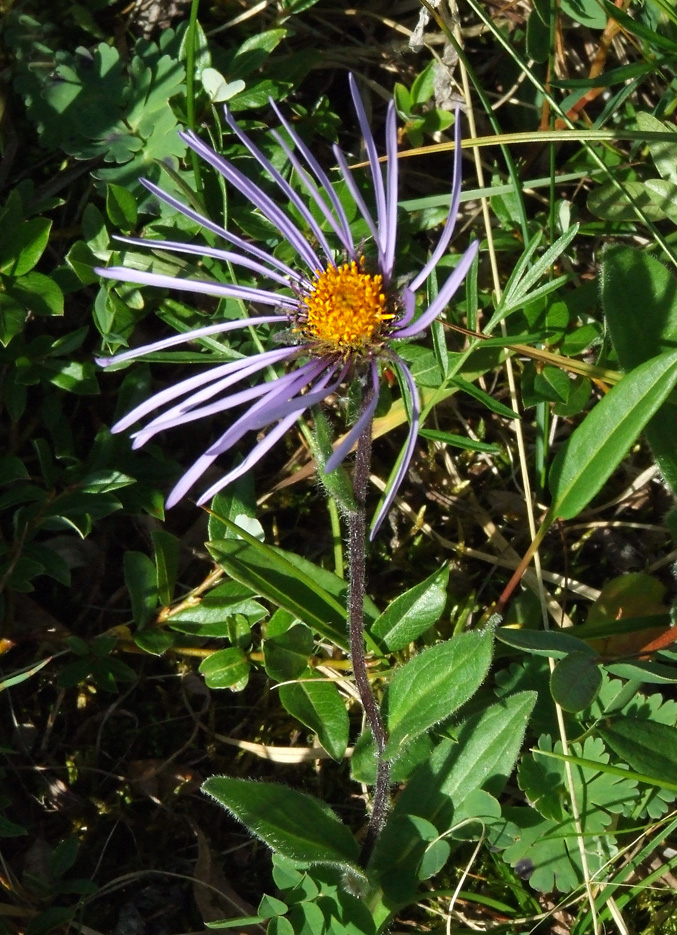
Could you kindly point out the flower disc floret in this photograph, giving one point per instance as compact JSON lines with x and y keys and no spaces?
{"x":345,"y":310}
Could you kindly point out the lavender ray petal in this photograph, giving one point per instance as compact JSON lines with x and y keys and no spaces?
{"x":450,"y":223}
{"x":444,"y":296}
{"x":389,"y":235}
{"x":408,"y":451}
{"x":233,"y":369}
{"x":318,"y":171}
{"x":204,"y":287}
{"x":310,"y":187}
{"x":238,"y":242}
{"x":227,"y":378}
{"x":192,"y":475}
{"x":351,"y":438}
{"x":409,"y":300}
{"x":377,"y":177}
{"x":282,"y":184}
{"x":198,"y":249}
{"x":319,"y":392}
{"x":193,"y":335}
{"x":182,"y":416}
{"x":254,"y":456}
{"x":256,"y":416}
{"x":359,"y":200}
{"x":232,"y":435}
{"x":257,"y":197}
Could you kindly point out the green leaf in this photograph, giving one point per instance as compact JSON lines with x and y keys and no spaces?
{"x":258,"y":95}
{"x":141,"y":582}
{"x":154,"y":641}
{"x":12,"y":320}
{"x":270,"y":907}
{"x":662,"y":151}
{"x":494,"y":405}
{"x":104,"y":481}
{"x":459,"y":441}
{"x":73,"y":376}
{"x":81,"y":259}
{"x":285,"y":656}
{"x":314,"y":595}
{"x":601,"y":441}
{"x":586,"y":12}
{"x":633,"y":279}
{"x":280,"y":926}
{"x":552,"y":383}
{"x":63,"y":856}
{"x":648,"y":747}
{"x":413,"y":612}
{"x":226,"y":668}
{"x":8,"y":829}
{"x":432,"y":685}
{"x":22,"y":246}
{"x":234,"y":923}
{"x":337,"y":482}
{"x":35,"y":293}
{"x":644,"y":671}
{"x":538,"y":38}
{"x":654,"y":197}
{"x":211,"y":614}
{"x":121,"y":207}
{"x":545,"y":850}
{"x":254,"y":51}
{"x":166,"y":548}
{"x":575,"y":681}
{"x":551,"y":643}
{"x":525,"y":275}
{"x":403,"y":101}
{"x":290,"y":822}
{"x":318,"y":705}
{"x":11,"y":469}
{"x":238,"y":504}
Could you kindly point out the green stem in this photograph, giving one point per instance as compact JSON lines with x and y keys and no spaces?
{"x":190,"y":87}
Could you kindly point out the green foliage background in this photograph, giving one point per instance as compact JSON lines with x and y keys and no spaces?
{"x":143,"y":654}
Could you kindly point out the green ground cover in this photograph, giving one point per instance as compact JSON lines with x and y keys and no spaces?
{"x":184,"y":744}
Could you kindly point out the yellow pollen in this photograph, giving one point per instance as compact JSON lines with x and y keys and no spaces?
{"x":346,"y":307}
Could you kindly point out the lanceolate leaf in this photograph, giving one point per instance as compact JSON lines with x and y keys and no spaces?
{"x":289,"y":581}
{"x":433,"y":684}
{"x":632,"y":280}
{"x":551,"y":643}
{"x":601,"y":441}
{"x":292,"y":823}
{"x":318,"y":705}
{"x":413,"y":612}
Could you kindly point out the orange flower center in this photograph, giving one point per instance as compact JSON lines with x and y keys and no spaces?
{"x":346,"y":308}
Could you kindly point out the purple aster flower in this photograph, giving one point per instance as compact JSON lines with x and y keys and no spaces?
{"x":339,"y":313}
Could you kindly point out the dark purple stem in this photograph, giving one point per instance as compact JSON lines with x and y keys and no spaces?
{"x":357,"y":537}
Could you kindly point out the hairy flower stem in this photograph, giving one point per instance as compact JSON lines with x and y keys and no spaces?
{"x":357,"y":531}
